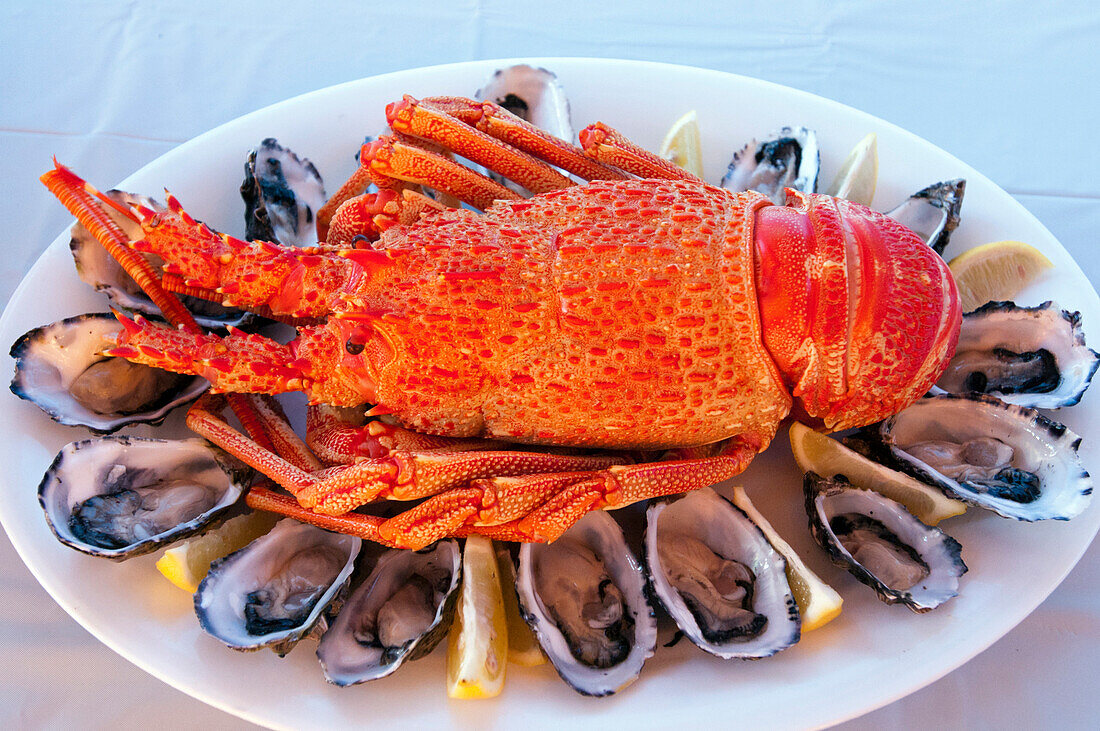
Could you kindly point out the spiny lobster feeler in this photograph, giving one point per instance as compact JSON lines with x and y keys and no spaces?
{"x":644,"y":310}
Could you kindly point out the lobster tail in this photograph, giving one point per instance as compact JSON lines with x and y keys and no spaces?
{"x":858,"y":313}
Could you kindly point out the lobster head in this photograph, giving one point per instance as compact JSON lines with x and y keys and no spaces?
{"x":859,"y":315}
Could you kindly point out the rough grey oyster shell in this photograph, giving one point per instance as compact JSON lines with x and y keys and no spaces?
{"x":120,"y":497}
{"x":99,"y":270}
{"x":59,"y":368}
{"x":584,"y":597}
{"x":932,"y":212}
{"x":1028,"y":356}
{"x":788,"y":158}
{"x":719,"y":577}
{"x":399,"y":612}
{"x":282,"y":193}
{"x":1005,"y":458}
{"x":275,"y":590}
{"x":880,"y":543}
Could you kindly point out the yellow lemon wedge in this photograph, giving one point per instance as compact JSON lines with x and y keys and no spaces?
{"x":477,"y":648}
{"x":185,"y":565}
{"x":815,"y":452}
{"x":523,"y":647}
{"x":996,"y":271}
{"x":681,"y":144}
{"x":858,"y":176}
{"x":818,"y":603}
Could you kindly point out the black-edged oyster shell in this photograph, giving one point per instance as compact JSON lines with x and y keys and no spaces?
{"x":584,"y":597}
{"x":120,"y":497}
{"x":1028,"y":356}
{"x":282,"y":194}
{"x":718,"y":577}
{"x":59,"y":367}
{"x":932,"y":212}
{"x":788,"y":158}
{"x":399,"y":612}
{"x":880,"y":543}
{"x":275,"y":590}
{"x":1005,"y":458}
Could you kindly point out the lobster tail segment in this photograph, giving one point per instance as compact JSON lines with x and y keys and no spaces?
{"x":858,"y":313}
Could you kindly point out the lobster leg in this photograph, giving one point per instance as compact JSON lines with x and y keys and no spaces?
{"x":340,"y":436}
{"x":393,"y":158}
{"x":602,"y":143}
{"x":424,"y":121}
{"x":541,"y":507}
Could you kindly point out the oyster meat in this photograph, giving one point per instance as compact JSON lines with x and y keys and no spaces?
{"x":789,"y":158}
{"x":719,"y":577}
{"x":399,"y":612}
{"x":99,"y":270}
{"x":274,"y":591}
{"x":59,"y":367}
{"x":1006,"y":458}
{"x":120,"y":497}
{"x":584,"y":597}
{"x":1029,"y":356}
{"x":880,"y":543}
{"x":282,"y":193}
{"x":932,"y":212}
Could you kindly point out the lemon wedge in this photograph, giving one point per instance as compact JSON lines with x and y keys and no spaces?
{"x":681,"y":144}
{"x":185,"y":565}
{"x":818,"y":453}
{"x":523,"y":648}
{"x":818,"y":603}
{"x":858,"y":176}
{"x":477,"y":648}
{"x":996,"y":271}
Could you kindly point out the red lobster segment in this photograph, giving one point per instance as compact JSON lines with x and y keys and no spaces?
{"x":653,"y":314}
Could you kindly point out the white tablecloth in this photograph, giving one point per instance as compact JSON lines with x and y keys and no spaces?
{"x":1010,"y":87}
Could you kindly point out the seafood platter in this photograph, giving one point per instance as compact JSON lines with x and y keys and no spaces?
{"x":642,"y":447}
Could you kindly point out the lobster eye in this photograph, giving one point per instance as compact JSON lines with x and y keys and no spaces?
{"x":353,"y":347}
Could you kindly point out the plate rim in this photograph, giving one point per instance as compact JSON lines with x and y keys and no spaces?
{"x":167,"y":159}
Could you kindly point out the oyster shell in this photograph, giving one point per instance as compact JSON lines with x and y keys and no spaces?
{"x":400,"y":611}
{"x":272,"y":592}
{"x":1009,"y":459}
{"x":789,"y":158}
{"x":932,"y":212}
{"x":880,"y":543}
{"x":719,"y":577}
{"x":282,"y":193}
{"x":1028,"y":356}
{"x":584,"y":597}
{"x":120,"y":497}
{"x":99,"y":270}
{"x":59,"y":368}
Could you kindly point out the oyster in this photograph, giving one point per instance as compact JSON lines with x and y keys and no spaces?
{"x":59,"y":368}
{"x":1006,"y":458}
{"x":1029,"y":356}
{"x":719,"y":577}
{"x":399,"y":612}
{"x":120,"y":497}
{"x":932,"y":212}
{"x":99,"y":270}
{"x":788,"y":158}
{"x":272,"y":592}
{"x":880,"y":543}
{"x":282,"y":193}
{"x":584,"y":597}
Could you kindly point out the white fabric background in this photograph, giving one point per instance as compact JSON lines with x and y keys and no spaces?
{"x":1010,"y":87}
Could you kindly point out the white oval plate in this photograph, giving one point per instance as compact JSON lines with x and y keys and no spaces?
{"x":872,"y":654}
